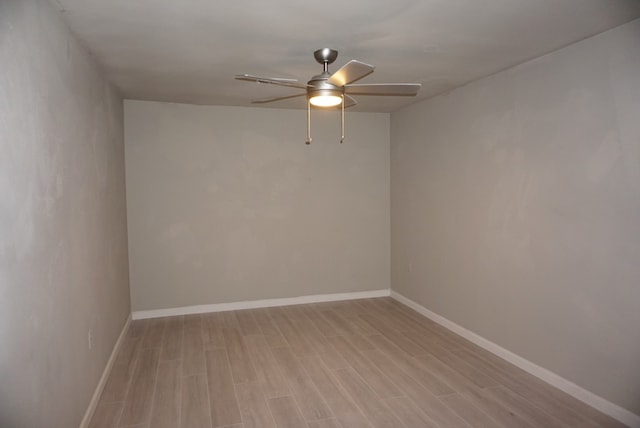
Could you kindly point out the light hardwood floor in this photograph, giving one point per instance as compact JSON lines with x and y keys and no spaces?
{"x":359,"y":363}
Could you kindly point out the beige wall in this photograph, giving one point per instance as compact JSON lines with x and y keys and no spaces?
{"x":515,"y":206}
{"x":63,"y":242}
{"x":228,"y":204}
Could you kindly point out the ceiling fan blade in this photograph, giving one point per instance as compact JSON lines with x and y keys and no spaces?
{"x":350,"y":72}
{"x":272,"y":80}
{"x":399,"y":89}
{"x":269,"y":100}
{"x":349,"y":101}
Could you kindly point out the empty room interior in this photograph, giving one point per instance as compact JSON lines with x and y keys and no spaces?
{"x":419,"y":213}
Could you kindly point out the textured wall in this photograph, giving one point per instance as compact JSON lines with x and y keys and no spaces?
{"x":63,"y":242}
{"x":516,"y":210}
{"x":228,"y":204}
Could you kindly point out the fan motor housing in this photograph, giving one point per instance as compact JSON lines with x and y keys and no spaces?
{"x":320,"y":87}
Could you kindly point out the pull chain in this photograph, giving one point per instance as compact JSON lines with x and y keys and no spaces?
{"x":342,"y":127}
{"x":308,"y":122}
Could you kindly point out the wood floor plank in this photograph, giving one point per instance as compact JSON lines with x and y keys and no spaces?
{"x":338,"y":401}
{"x":346,"y":328}
{"x":497,"y":363}
{"x":359,"y":342}
{"x":456,"y":380}
{"x":447,"y":338}
{"x":398,"y":322}
{"x":430,"y":379}
{"x":222,"y":396}
{"x":122,"y":371}
{"x":297,"y":342}
{"x":166,"y":399}
{"x":321,"y":323}
{"x":247,"y":322}
{"x":360,"y":306}
{"x":336,"y":327}
{"x":363,"y":328}
{"x":255,"y":341}
{"x":268,"y":373}
{"x":420,"y":395}
{"x":409,"y":413}
{"x":373,"y":377}
{"x":304,"y":391}
{"x":480,"y":364}
{"x":229,"y":319}
{"x":324,"y":348}
{"x":523,"y":408}
{"x":195,"y":411}
{"x":573,"y":403}
{"x":375,"y":306}
{"x":192,"y":321}
{"x":293,"y":312}
{"x":379,"y":305}
{"x":553,"y":401}
{"x":286,"y":413}
{"x":106,"y":415}
{"x":212,"y":331}
{"x":375,"y":409}
{"x":467,"y":411}
{"x":325,"y":423}
{"x":272,"y":335}
{"x":339,"y":324}
{"x":253,"y":406}
{"x":425,"y":338}
{"x":172,"y":340}
{"x":393,"y":336}
{"x":462,"y":366}
{"x":363,"y":306}
{"x":405,"y":323}
{"x":497,"y":410}
{"x":137,"y":328}
{"x":137,"y":405}
{"x":241,"y":365}
{"x":334,"y":360}
{"x":193,"y":348}
{"x":154,"y":333}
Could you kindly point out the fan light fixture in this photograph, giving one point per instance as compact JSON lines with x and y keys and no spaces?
{"x":326,"y":98}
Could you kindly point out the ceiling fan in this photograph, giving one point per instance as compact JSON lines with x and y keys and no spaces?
{"x":330,"y":90}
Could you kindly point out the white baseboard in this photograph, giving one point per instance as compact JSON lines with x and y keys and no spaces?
{"x":105,"y":375}
{"x":252,"y":304}
{"x":621,"y":414}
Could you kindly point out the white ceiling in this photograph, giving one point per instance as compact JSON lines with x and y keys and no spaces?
{"x":189,"y":50}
